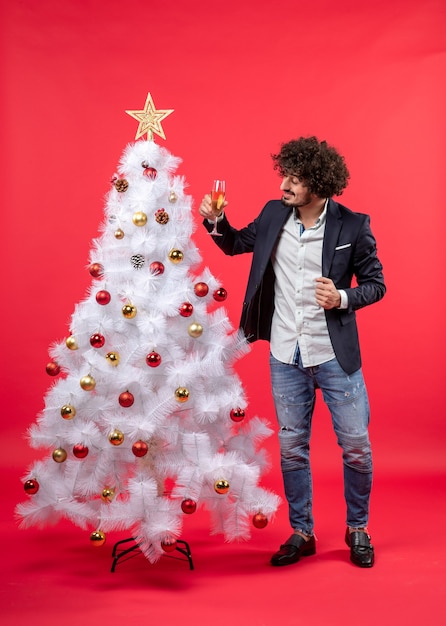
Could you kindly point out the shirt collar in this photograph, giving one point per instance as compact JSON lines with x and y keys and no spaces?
{"x":320,"y":220}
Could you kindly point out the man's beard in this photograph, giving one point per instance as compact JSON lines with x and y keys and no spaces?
{"x":293,"y":203}
{"x":287,"y":203}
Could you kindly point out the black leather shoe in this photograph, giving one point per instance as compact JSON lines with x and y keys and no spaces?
{"x":361,"y":550}
{"x":291,"y":551}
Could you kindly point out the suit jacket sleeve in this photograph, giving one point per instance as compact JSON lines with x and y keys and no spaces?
{"x":234,"y":241}
{"x":367,"y":270}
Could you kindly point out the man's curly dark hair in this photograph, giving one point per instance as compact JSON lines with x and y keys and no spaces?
{"x":318,"y":165}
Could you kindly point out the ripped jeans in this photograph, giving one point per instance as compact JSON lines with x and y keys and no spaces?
{"x":294,"y":392}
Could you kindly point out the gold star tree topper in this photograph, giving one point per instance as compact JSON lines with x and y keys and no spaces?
{"x":150,"y":119}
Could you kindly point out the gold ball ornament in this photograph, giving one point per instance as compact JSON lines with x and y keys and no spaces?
{"x":173,"y":197}
{"x":221,"y":486}
{"x":182,"y":394}
{"x":108,"y":493}
{"x":176,"y":256}
{"x":116,"y":437}
{"x":59,"y":455}
{"x":195,"y":330}
{"x":87,"y":383}
{"x":139,"y":218}
{"x":71,"y":343}
{"x":112,"y":358}
{"x":68,"y":412}
{"x":97,"y":538}
{"x":119,"y":233}
{"x":129,"y":311}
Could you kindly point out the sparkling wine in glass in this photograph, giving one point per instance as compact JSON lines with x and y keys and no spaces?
{"x":217,"y":200}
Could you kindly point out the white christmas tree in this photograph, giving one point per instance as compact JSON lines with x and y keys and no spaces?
{"x":146,"y":419}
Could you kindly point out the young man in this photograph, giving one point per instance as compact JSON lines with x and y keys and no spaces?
{"x":306,"y":250}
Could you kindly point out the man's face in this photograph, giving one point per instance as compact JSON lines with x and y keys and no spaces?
{"x":294,"y":192}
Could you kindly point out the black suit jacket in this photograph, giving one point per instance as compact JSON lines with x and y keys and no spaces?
{"x":349,"y":250}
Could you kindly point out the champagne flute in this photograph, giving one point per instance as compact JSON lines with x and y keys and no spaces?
{"x":217,"y":200}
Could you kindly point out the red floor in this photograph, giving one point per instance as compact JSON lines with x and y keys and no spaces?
{"x":54,"y":576}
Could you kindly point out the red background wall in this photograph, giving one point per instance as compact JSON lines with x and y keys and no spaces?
{"x":243,"y":77}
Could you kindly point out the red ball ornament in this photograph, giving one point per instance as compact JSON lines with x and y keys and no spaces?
{"x":156,"y":268}
{"x":80,"y":451}
{"x":150,"y":172}
{"x":103,"y":297}
{"x":140,"y":448}
{"x":237,"y":415}
{"x":220,"y":294}
{"x":153,"y":359}
{"x":31,"y":486}
{"x":201,"y":290}
{"x":259,"y":520}
{"x":188,"y":506}
{"x":169,"y":544}
{"x":53,"y":368}
{"x":186,"y":309}
{"x":97,"y":340}
{"x":126,"y":399}
{"x":96,"y":270}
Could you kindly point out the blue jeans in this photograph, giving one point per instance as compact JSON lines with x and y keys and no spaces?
{"x":294,"y":392}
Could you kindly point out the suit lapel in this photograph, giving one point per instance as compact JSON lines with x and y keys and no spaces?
{"x":332,"y":229}
{"x":277,"y":219}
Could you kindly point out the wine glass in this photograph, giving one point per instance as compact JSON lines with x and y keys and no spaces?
{"x":217,"y":200}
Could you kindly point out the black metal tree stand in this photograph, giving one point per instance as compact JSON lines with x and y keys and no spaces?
{"x":121,"y":554}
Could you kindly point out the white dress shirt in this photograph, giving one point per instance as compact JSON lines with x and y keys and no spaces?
{"x":298,"y":320}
